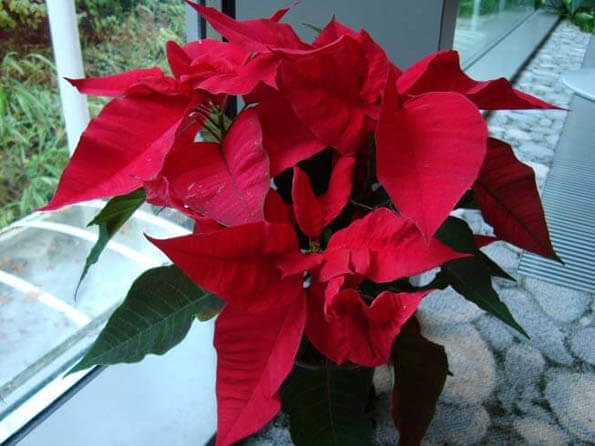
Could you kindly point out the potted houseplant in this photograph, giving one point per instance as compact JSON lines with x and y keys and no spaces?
{"x":314,"y":205}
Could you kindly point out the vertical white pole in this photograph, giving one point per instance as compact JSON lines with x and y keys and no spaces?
{"x":69,"y":63}
{"x":475,"y":14}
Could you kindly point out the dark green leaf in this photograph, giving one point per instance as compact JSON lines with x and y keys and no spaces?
{"x":155,"y":316}
{"x":420,"y":373}
{"x":215,"y":127}
{"x":110,"y":219}
{"x":327,"y":406}
{"x":471,"y":278}
{"x":494,"y":268}
{"x":575,"y":5}
{"x":457,"y":234}
{"x":315,"y":28}
{"x":468,"y":201}
{"x":119,"y":209}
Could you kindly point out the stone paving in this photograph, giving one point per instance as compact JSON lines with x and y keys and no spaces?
{"x":507,"y":389}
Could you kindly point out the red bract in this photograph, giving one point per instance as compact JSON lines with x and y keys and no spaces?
{"x":377,"y":63}
{"x":227,"y":182}
{"x":314,"y":213}
{"x":441,"y":71}
{"x":330,"y":106}
{"x":255,"y":353}
{"x":258,"y":35}
{"x":123,"y":146}
{"x":221,"y":67}
{"x":384,"y":246}
{"x":117,"y":84}
{"x":429,"y":150}
{"x":286,"y":140}
{"x":239,"y":264}
{"x":510,"y":202}
{"x":351,"y":330}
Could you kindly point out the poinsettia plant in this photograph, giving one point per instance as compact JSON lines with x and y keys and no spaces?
{"x":313,"y":206}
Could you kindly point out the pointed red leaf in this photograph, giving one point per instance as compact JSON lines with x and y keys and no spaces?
{"x":378,"y":69}
{"x":384,"y":246}
{"x":224,"y":67}
{"x":242,"y":81}
{"x":275,"y":209}
{"x":221,"y":56}
{"x":227,"y":183}
{"x":509,"y":200}
{"x":324,"y":95}
{"x":354,"y":331}
{"x":256,"y":35}
{"x":278,"y":15}
{"x":179,"y":61}
{"x":378,"y":64}
{"x":483,"y":240}
{"x":429,"y":153}
{"x":297,"y":262}
{"x":239,"y":263}
{"x":123,"y":146}
{"x":115,"y":84}
{"x":441,"y":71}
{"x":255,"y":353}
{"x":332,"y":32}
{"x":286,"y":140}
{"x":314,"y":213}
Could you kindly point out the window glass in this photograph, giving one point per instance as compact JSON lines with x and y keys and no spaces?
{"x":482,"y":23}
{"x":44,"y":327}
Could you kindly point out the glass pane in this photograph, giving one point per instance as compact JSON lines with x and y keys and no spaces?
{"x":482,"y":23}
{"x":44,"y":327}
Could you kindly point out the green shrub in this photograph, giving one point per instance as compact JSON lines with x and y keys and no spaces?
{"x":581,"y":12}
{"x":97,"y":17}
{"x":32,"y":141}
{"x":22,"y":13}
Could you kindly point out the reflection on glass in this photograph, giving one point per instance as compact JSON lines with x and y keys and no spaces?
{"x":43,"y":327}
{"x":481,"y":23}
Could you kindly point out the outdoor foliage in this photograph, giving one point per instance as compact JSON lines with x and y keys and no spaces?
{"x":314,"y":205}
{"x":32,"y":139}
{"x":581,"y":12}
{"x":27,"y":14}
{"x":491,"y":6}
{"x":33,"y":148}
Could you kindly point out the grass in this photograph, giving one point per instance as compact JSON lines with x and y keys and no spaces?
{"x":33,"y":148}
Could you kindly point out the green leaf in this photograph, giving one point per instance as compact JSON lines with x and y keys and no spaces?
{"x":110,"y":219}
{"x":327,"y":406}
{"x":314,"y":28}
{"x":421,"y":368}
{"x":576,"y":4}
{"x":155,"y":316}
{"x":468,"y":201}
{"x":493,"y":267}
{"x":471,"y":278}
{"x":215,"y":127}
{"x":457,"y":234}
